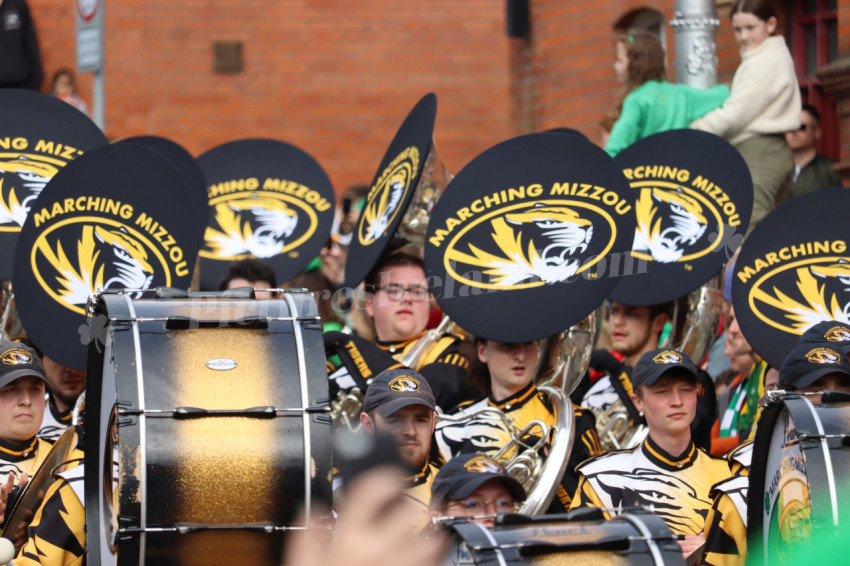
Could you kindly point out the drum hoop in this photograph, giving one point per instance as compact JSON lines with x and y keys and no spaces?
{"x":650,"y":541}
{"x":489,"y":536}
{"x":143,"y":464}
{"x":305,"y":402}
{"x":827,"y":457}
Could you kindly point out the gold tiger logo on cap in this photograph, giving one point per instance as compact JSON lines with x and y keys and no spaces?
{"x":483,"y":465}
{"x":823,"y":356}
{"x":16,"y":357}
{"x":404,"y":383}
{"x":837,"y":334}
{"x":667,"y":357}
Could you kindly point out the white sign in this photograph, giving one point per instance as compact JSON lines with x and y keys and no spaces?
{"x":89,"y":35}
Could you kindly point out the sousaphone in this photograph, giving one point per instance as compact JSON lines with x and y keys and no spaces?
{"x":520,"y":252}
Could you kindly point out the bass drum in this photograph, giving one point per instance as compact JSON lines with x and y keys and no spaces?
{"x":799,"y":494}
{"x":636,"y":538}
{"x":209,"y":430}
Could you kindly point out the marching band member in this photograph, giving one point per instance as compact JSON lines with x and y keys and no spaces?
{"x":400,"y":403}
{"x":507,"y":372}
{"x":667,"y":471}
{"x":815,"y":367}
{"x":22,"y":385}
{"x":399,"y":303}
{"x":636,"y":330}
{"x":475,"y":486}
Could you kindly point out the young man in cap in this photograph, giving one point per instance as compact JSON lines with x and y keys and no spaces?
{"x":22,"y":384}
{"x":816,"y":367}
{"x":398,"y":301}
{"x":667,"y":470}
{"x":636,"y":330}
{"x":475,"y":486}
{"x":400,"y":403}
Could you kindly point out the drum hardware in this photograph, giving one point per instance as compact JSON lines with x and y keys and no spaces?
{"x":346,"y":408}
{"x":198,"y":413}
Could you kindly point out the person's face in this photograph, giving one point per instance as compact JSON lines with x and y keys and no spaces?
{"x":64,"y":85}
{"x":21,"y":409}
{"x":411,"y":427}
{"x":751,"y":31}
{"x":261,"y":295}
{"x":669,"y":405}
{"x":621,"y":63}
{"x":398,"y":312}
{"x":333,"y":261}
{"x":631,"y":328}
{"x":511,"y":366}
{"x":65,"y":384}
{"x":832,"y":381}
{"x":737,"y":348}
{"x":490,"y":498}
{"x":807,"y":136}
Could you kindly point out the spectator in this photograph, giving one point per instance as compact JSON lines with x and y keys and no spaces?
{"x":811,"y":170}
{"x":64,"y":87}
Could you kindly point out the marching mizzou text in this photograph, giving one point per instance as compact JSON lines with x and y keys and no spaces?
{"x":124,"y":211}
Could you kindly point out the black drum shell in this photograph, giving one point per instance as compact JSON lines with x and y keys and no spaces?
{"x":231,"y":475}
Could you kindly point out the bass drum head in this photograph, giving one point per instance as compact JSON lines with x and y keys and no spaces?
{"x":799,"y":493}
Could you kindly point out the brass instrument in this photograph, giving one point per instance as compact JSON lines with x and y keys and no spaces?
{"x":346,"y":409}
{"x":433,"y":180}
{"x":695,"y":319}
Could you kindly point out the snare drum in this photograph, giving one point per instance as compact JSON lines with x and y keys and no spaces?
{"x":799,"y":493}
{"x":637,"y":538}
{"x":216,"y":413}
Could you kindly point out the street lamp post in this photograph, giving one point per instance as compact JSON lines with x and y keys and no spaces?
{"x":694,"y":26}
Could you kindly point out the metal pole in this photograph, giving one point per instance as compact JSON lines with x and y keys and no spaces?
{"x":694,"y":26}
{"x":99,"y":100}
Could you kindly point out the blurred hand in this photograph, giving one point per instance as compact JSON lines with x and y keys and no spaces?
{"x":691,"y":544}
{"x":373,"y":530}
{"x":6,"y":489}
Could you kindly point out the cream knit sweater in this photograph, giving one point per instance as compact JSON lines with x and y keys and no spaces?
{"x":765,"y":96}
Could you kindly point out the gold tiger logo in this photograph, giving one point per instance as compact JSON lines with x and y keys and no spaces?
{"x":483,"y":465}
{"x":404,"y":383}
{"x":667,"y":357}
{"x":837,"y":334}
{"x":22,"y":178}
{"x":387,"y":196}
{"x":16,"y":357}
{"x":255,"y":225}
{"x":823,"y":356}
{"x":668,"y":223}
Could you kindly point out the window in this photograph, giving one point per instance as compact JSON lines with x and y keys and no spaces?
{"x":813,"y":35}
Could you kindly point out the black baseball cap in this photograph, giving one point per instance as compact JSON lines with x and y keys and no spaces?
{"x":463,"y":474}
{"x":18,"y":360}
{"x":827,"y":331}
{"x":393,"y":389}
{"x":656,"y":363}
{"x":809,"y":362}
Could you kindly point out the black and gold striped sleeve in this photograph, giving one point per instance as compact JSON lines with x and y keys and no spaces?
{"x":585,"y":496}
{"x":725,"y":534}
{"x":57,"y":533}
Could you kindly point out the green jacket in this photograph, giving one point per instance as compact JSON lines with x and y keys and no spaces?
{"x":657,"y":107}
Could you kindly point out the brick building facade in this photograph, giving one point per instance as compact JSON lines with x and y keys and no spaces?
{"x":336,"y":77}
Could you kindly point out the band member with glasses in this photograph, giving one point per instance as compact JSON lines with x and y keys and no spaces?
{"x":398,"y":301}
{"x":507,"y":371}
{"x":475,"y":486}
{"x":667,"y":471}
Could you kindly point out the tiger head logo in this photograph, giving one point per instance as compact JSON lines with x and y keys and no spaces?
{"x":542,"y":243}
{"x":823,"y":356}
{"x":103,"y":256}
{"x":669,"y":222}
{"x":22,"y":178}
{"x":16,"y":357}
{"x":404,"y":383}
{"x":483,"y":465}
{"x":837,"y":334}
{"x":667,"y":357}
{"x":387,"y":196}
{"x":254,"y":225}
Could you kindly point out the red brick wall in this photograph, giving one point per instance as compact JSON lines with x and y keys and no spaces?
{"x":334,"y":77}
{"x":570,"y":76}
